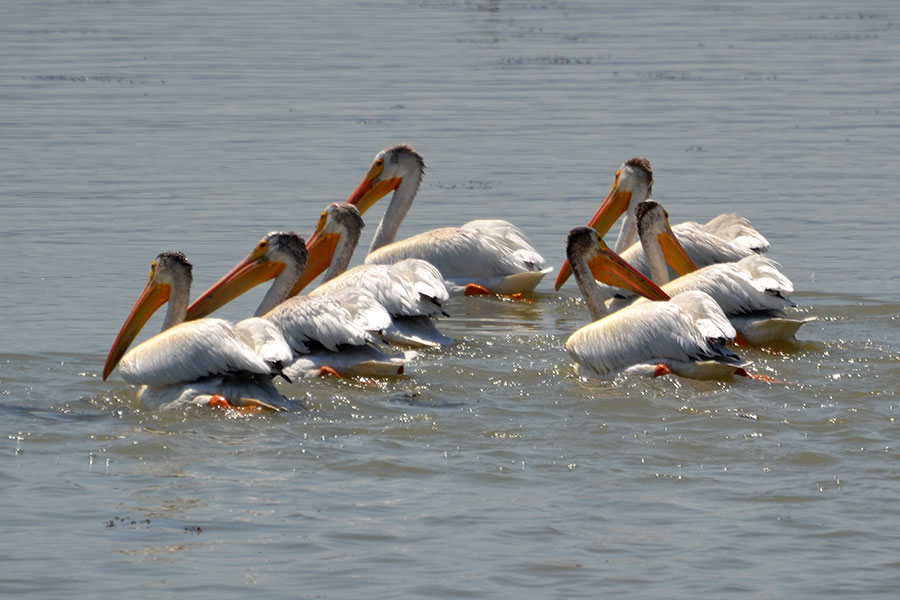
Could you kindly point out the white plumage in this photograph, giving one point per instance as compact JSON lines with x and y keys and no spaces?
{"x":494,"y":254}
{"x":676,"y":333}
{"x":686,"y":335}
{"x":190,"y":351}
{"x":262,"y":335}
{"x":725,"y":238}
{"x":350,"y":317}
{"x":192,"y":362}
{"x":411,"y":290}
{"x":704,"y":245}
{"x":752,"y":284}
{"x":398,"y":291}
{"x":327,"y":325}
{"x":752,"y":292}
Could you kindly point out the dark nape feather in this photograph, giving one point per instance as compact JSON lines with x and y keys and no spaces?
{"x":640,"y":163}
{"x":289,"y":242}
{"x":407,"y":148}
{"x":640,"y":211}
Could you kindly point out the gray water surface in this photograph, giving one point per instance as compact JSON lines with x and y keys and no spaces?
{"x":490,"y":469}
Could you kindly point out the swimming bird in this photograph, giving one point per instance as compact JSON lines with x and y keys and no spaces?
{"x":198,"y":362}
{"x":685,"y":335}
{"x":752,"y":292}
{"x":490,"y":253}
{"x":336,"y":334}
{"x":726,"y":238}
{"x":411,"y":290}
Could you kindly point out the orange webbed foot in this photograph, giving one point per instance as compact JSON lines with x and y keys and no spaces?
{"x":327,"y":371}
{"x":742,"y":372}
{"x":475,"y":289}
{"x":219,"y":401}
{"x":661,"y":370}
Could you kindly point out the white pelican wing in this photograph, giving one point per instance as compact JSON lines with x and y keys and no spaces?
{"x":738,"y":231}
{"x":706,"y":314}
{"x":652,"y":332}
{"x":262,"y":335}
{"x":349,"y":317}
{"x":394,"y":288}
{"x":703,"y":247}
{"x":191,"y":351}
{"x":487,"y":252}
{"x":426,"y":278}
{"x":752,"y":284}
{"x":765,"y":274}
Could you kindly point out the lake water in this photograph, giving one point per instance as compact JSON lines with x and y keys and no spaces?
{"x":490,"y":469}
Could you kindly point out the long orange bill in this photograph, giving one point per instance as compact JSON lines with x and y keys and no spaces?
{"x":674,"y":253}
{"x":612,"y":208}
{"x":564,"y":273}
{"x":368,"y":192}
{"x":153,"y":296}
{"x":611,"y":269}
{"x":320,"y":248}
{"x":246,"y":275}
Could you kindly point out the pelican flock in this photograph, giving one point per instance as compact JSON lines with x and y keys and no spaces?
{"x":411,"y":290}
{"x":337,"y":333}
{"x":752,"y":292}
{"x":666,"y":300}
{"x":208,"y":361}
{"x":685,"y":334}
{"x":725,"y":238}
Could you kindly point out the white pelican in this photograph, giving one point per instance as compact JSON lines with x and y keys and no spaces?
{"x":726,"y":238}
{"x":492,"y":254}
{"x":411,"y":290}
{"x":752,"y":292}
{"x":685,"y":336}
{"x":197,"y":362}
{"x":335,"y":334}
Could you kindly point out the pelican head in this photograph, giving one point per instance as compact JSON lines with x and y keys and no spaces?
{"x":585,"y":247}
{"x":653,"y":227}
{"x":391,"y":168}
{"x":633,"y":184}
{"x":339,"y":224}
{"x":170,"y":281}
{"x":280,"y":254}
